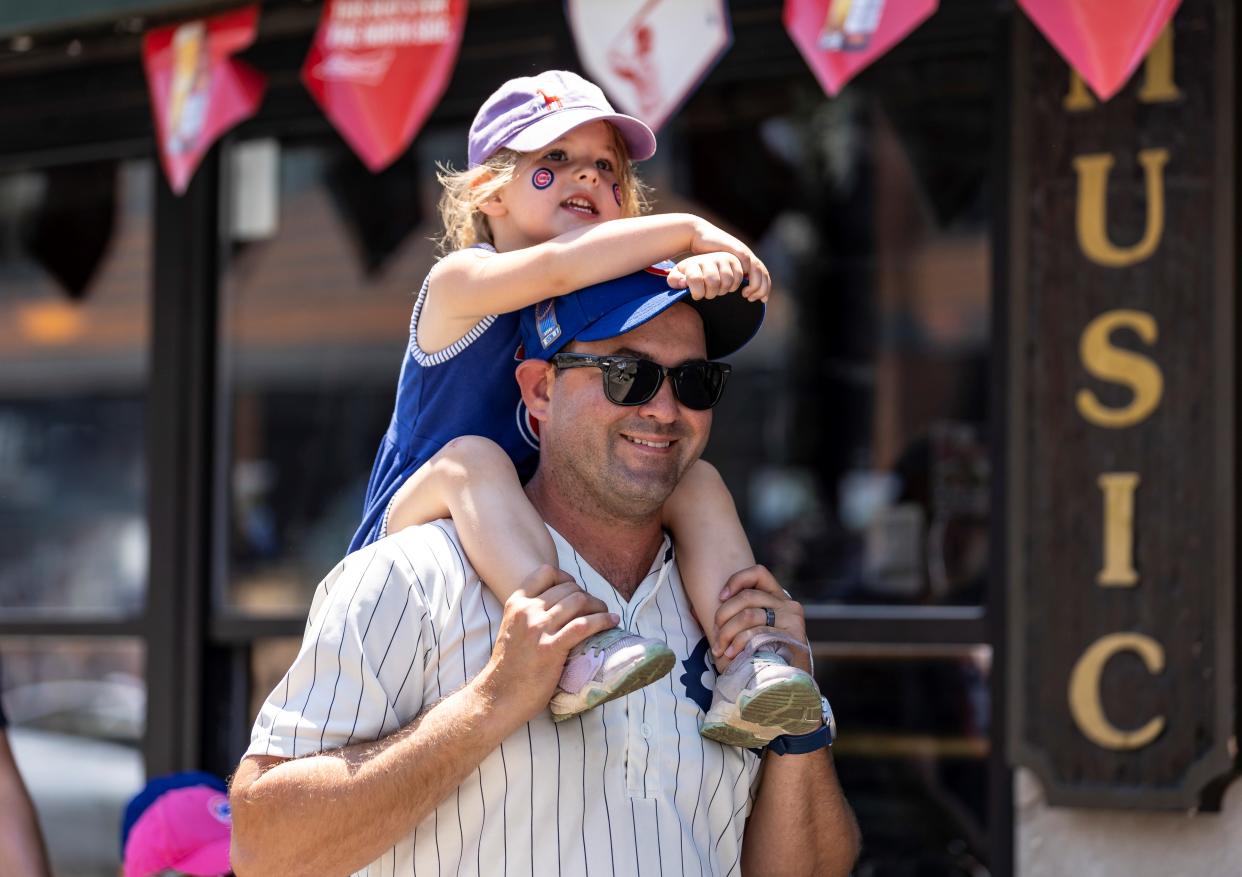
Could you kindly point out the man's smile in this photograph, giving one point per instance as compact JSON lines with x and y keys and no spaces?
{"x":659,"y":444}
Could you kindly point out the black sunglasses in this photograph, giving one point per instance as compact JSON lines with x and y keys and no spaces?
{"x":629,"y":380}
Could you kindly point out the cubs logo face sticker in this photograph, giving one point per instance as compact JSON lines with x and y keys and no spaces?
{"x":616,"y":192}
{"x":542,"y":178}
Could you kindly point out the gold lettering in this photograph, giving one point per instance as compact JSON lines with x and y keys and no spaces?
{"x":1106,"y":362}
{"x":1158,"y":85}
{"x":1084,"y":691}
{"x":1077,"y":99}
{"x":1092,"y":216}
{"x":1118,"y":571}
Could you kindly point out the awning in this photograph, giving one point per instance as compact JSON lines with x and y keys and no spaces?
{"x":22,"y":18}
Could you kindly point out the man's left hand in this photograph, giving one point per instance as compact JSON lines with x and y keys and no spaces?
{"x":743,"y":613}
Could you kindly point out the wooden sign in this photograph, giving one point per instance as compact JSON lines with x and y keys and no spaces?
{"x":1121,"y":423}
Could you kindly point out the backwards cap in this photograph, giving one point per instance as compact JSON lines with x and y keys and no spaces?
{"x":614,"y":307}
{"x":530,"y":112}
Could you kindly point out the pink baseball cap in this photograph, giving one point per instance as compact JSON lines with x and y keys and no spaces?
{"x":530,"y":112}
{"x":180,"y":828}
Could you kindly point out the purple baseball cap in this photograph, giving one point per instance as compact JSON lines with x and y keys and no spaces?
{"x":614,"y":307}
{"x":530,"y":112}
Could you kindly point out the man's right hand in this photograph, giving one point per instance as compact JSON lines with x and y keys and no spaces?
{"x":543,"y":620}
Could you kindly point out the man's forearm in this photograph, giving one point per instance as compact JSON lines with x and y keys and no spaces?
{"x":801,"y":823}
{"x":334,"y":812}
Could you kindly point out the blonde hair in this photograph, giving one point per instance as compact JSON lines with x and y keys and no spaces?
{"x":467,"y":190}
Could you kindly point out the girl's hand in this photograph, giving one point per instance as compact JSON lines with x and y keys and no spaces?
{"x":710,"y":239}
{"x":708,"y":275}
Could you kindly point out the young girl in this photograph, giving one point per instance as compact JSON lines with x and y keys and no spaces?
{"x":549,"y":205}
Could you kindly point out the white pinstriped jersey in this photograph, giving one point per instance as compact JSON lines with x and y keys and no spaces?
{"x":627,"y":788}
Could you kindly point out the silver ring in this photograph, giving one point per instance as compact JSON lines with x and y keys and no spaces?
{"x":769,"y":617}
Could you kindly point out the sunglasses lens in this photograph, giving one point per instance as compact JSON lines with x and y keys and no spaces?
{"x":700,"y":384}
{"x":631,"y":381}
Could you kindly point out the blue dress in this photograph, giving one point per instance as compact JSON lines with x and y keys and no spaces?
{"x":465,"y":389}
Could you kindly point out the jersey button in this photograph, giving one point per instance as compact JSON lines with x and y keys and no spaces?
{"x":645,"y":730}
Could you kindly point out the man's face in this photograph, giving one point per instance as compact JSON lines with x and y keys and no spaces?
{"x":626,"y":460}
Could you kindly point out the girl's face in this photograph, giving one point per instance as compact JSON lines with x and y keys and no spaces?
{"x":567,"y":185}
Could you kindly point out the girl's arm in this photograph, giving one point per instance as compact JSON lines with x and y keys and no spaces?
{"x":470,"y":284}
{"x":711,"y":545}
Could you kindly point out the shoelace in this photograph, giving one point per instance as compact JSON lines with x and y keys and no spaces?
{"x":608,"y":642}
{"x":769,"y":657}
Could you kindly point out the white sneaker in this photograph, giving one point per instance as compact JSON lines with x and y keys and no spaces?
{"x":761,"y":696}
{"x":606,"y":666}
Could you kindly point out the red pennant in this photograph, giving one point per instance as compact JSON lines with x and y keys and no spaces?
{"x":198,"y":91}
{"x":378,"y":70}
{"x":840,"y":38}
{"x":1103,"y":41}
{"x":649,"y":55}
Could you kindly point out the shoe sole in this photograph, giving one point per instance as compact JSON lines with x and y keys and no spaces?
{"x":653,"y":666}
{"x":790,"y":707}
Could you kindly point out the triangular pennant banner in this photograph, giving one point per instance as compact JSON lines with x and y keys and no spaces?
{"x":1103,"y":41}
{"x":649,"y":55}
{"x":840,"y":38}
{"x":378,"y":70}
{"x":198,"y":90}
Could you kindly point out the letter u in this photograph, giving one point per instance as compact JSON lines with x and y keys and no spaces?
{"x":1092,"y":216}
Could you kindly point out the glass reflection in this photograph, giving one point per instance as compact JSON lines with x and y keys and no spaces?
{"x":912,"y":753}
{"x":75,"y":247}
{"x":315,"y":317}
{"x":853,"y":433}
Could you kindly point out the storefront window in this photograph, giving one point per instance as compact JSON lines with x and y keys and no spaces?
{"x":316,"y":314}
{"x":854,"y":430}
{"x":77,"y":713}
{"x":75,"y":271}
{"x":913,"y":755}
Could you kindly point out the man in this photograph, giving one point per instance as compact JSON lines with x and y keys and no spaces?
{"x":419,"y":703}
{"x":21,"y":843}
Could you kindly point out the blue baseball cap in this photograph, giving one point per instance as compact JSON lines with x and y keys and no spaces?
{"x":614,"y":307}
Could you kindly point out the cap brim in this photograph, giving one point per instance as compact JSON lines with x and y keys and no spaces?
{"x":729,"y":321}
{"x":639,"y":139}
{"x":211,"y":860}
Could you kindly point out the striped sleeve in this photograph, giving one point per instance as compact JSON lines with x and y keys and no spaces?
{"x":359,"y":673}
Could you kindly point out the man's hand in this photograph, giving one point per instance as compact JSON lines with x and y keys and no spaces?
{"x":741,"y":614}
{"x":543,"y":620}
{"x":710,"y":239}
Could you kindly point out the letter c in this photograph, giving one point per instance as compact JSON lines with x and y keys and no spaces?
{"x":1084,"y":691}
